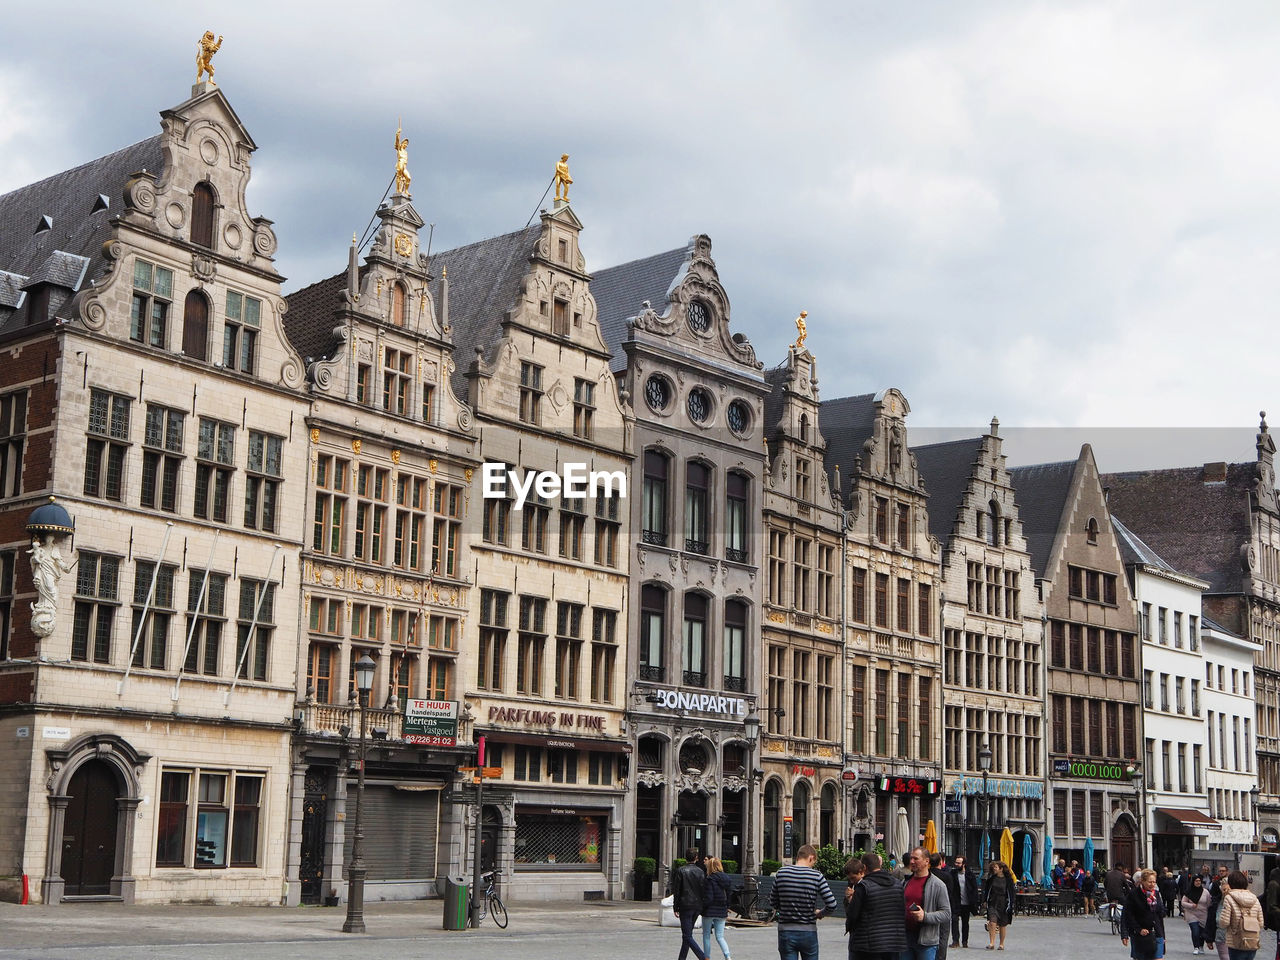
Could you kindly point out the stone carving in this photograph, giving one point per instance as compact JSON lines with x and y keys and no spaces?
{"x":140,"y":193}
{"x":47,"y":568}
{"x":651,"y":778}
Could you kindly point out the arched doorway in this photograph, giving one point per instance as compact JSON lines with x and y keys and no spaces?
{"x":799,"y":817}
{"x":827,"y":815}
{"x":195,"y":326}
{"x":1124,"y":849}
{"x":89,"y":830}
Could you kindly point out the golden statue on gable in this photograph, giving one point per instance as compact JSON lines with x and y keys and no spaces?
{"x":563,"y":179}
{"x":402,"y":163}
{"x":204,"y":55}
{"x":801,"y":330}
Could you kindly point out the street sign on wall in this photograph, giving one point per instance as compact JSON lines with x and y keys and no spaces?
{"x":433,"y":723}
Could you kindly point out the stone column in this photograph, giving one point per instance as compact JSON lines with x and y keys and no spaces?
{"x":123,"y":884}
{"x":52,"y":886}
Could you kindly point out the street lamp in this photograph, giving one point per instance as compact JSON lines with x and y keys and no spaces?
{"x":751,"y":729}
{"x":356,"y":871}
{"x":984,"y":764}
{"x":1140,"y":784}
{"x":1254,"y":793}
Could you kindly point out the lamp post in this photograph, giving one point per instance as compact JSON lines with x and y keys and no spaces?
{"x":1254,"y":793}
{"x":1140,"y":785}
{"x":751,"y":728}
{"x":984,"y":764}
{"x":356,"y":870}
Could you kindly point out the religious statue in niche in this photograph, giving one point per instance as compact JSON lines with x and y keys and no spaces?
{"x":402,"y":163}
{"x":47,"y":568}
{"x":563,"y":179}
{"x":204,"y":55}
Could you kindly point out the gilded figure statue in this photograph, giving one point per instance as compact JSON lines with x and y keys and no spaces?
{"x":801,"y":330}
{"x":563,"y":179}
{"x":402,"y":164}
{"x":204,"y":55}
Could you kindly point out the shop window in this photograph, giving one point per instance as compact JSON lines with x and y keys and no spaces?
{"x":558,"y":841}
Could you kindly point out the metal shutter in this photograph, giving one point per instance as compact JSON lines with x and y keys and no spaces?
{"x":401,"y":828}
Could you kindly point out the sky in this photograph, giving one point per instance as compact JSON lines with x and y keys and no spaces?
{"x":1061,"y":214}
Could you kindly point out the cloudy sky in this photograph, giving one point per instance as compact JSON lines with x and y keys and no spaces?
{"x":1063,"y":214}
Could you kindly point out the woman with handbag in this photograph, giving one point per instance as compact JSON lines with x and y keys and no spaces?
{"x":1143,"y":919}
{"x":1195,"y":908}
{"x":998,"y":892}
{"x":1241,"y":917}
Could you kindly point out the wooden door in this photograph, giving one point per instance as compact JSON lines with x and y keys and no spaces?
{"x":195,"y":326}
{"x":89,"y":831}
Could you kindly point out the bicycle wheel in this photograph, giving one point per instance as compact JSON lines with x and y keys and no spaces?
{"x":763,"y":912}
{"x":498,"y":911}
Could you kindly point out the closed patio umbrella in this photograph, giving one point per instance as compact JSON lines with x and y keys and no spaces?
{"x":901,"y":836}
{"x":1047,"y":876}
{"x":1026,"y":856}
{"x":931,"y":837}
{"x":1087,"y":862}
{"x":1006,"y":849}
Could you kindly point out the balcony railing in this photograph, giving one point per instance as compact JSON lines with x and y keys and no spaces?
{"x":654,"y":674}
{"x":695,"y":678}
{"x":655,"y":537}
{"x":329,"y":719}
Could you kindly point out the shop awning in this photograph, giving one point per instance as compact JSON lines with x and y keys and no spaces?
{"x":1190,"y":818}
{"x":555,"y":742}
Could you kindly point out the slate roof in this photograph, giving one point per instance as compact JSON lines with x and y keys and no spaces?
{"x":1197,"y":526}
{"x":1041,"y":492}
{"x":310,"y":321}
{"x":621,"y":291}
{"x":946,"y":469}
{"x":775,"y":399}
{"x":69,"y":200}
{"x":1133,"y":550}
{"x":846,"y":423}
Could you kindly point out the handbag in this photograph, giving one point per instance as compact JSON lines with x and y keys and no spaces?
{"x":1144,"y":945}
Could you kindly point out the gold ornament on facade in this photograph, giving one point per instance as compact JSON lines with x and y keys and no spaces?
{"x":402,"y":163}
{"x":355,"y":446}
{"x":395,"y":456}
{"x":432,"y":464}
{"x":205,"y":50}
{"x":801,"y":330}
{"x":315,"y":434}
{"x":563,"y":179}
{"x":467,"y":473}
{"x":404,"y":244}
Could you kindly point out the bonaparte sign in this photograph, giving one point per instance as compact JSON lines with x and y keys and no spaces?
{"x":433,"y":723}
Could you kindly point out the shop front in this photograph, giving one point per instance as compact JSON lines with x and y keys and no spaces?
{"x":1176,"y":831}
{"x":976,"y":807}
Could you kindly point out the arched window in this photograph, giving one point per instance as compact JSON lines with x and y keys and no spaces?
{"x":827,"y":824}
{"x":697,"y":501}
{"x":1091,"y":528}
{"x":735,"y":646}
{"x":654,"y":503}
{"x":195,"y":326}
{"x":799,"y":816}
{"x":804,"y":428}
{"x":993,"y":534}
{"x":398,"y":299}
{"x":735,"y":521}
{"x":695,"y":640}
{"x":202,"y":202}
{"x":653,"y":629}
{"x":772,"y":806}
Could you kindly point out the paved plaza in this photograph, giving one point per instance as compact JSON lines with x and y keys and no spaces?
{"x":568,"y":931}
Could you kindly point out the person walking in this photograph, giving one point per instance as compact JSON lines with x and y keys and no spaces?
{"x":998,"y":897}
{"x":1168,"y":886}
{"x":854,"y":871}
{"x":1212,"y":932}
{"x":1088,"y":888}
{"x":875,"y":916}
{"x":1114,"y":883}
{"x":1271,"y":909}
{"x":938,"y":868}
{"x":1142,"y":922}
{"x":1241,"y":918}
{"x":928,"y":908}
{"x":1195,"y":910}
{"x":801,"y":895}
{"x":967,"y":886}
{"x":688,"y":891}
{"x":715,"y":908}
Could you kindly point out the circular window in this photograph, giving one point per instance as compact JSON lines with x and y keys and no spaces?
{"x":699,"y":317}
{"x":739,"y":416}
{"x":699,"y":405}
{"x":657,"y":393}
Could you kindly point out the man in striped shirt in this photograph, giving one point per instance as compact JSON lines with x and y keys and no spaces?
{"x":801,"y":895}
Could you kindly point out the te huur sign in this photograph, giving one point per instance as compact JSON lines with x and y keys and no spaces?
{"x":432,"y":723}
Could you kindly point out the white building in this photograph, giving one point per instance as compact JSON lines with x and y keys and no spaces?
{"x":1230,"y":774}
{"x":1176,"y":817}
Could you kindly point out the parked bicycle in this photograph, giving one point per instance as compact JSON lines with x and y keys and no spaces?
{"x":749,"y":905}
{"x":492,"y":905}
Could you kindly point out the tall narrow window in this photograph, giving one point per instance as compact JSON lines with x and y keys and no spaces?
{"x":881,"y":519}
{"x":409,"y":526}
{"x":924,"y":618}
{"x":696,"y":498}
{"x":257,"y":623}
{"x":149,"y":634}
{"x":904,"y":605}
{"x":695,"y":640}
{"x":13,"y":430}
{"x":735,"y":646}
{"x":736,"y":518}
{"x":149,"y":313}
{"x":858,"y":710}
{"x":398,"y":299}
{"x":202,"y":204}
{"x":262,"y":481}
{"x":532,"y":645}
{"x":215,"y":456}
{"x":7,"y":562}
{"x":171,"y":819}
{"x":882,"y":600}
{"x":859,"y":598}
{"x":195,"y":326}
{"x":607,"y":530}
{"x":211,"y":821}
{"x":584,"y":408}
{"x":653,"y":615}
{"x":329,"y":521}
{"x":568,"y":649}
{"x":206,"y":605}
{"x":107,"y":445}
{"x":447,"y":529}
{"x":240,"y":332}
{"x":654,"y":499}
{"x":397,"y":367}
{"x":161,"y":458}
{"x":371,"y":513}
{"x":530,"y":393}
{"x":97,"y":596}
{"x":493,"y":639}
{"x":604,"y":654}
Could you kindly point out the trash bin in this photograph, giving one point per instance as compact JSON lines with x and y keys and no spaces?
{"x":457,"y":903}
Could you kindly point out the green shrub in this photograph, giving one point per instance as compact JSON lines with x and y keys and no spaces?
{"x":730,"y":866}
{"x":645,"y":868}
{"x":769,"y":867}
{"x":831,"y":862}
{"x":677,"y":863}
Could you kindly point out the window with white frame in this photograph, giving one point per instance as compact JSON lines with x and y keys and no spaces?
{"x":240,"y":332}
{"x":262,"y":481}
{"x":152,"y":294}
{"x":209,"y":819}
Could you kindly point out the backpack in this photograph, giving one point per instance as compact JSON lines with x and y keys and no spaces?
{"x":1245,"y":926}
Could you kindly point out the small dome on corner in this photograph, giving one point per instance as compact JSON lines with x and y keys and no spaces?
{"x":51,"y":517}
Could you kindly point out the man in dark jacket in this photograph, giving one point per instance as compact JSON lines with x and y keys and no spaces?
{"x":953,"y":898}
{"x":966,"y":901}
{"x":1115,"y":882}
{"x":876,"y":919}
{"x":688,"y":890}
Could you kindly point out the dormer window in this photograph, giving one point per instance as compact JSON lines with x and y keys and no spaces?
{"x":398,"y":299}
{"x":560,"y":318}
{"x":564,"y":251}
{"x":1091,"y":530}
{"x":149,"y":315}
{"x":202,"y":201}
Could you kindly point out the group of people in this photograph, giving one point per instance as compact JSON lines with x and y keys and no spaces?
{"x":701,"y":888}
{"x":1219,"y":910}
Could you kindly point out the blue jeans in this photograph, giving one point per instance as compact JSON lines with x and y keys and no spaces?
{"x":687,"y":919}
{"x":1235,"y":954}
{"x":919,"y":953}
{"x":798,"y":943}
{"x":1197,"y":936}
{"x":716,"y":925}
